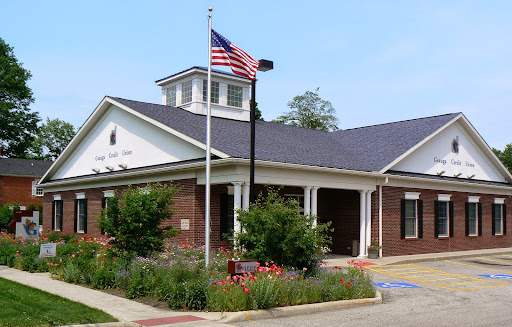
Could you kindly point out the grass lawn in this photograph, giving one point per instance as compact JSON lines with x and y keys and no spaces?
{"x":22,"y":305}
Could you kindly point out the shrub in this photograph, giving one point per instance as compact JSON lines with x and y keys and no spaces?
{"x":7,"y":215}
{"x":135,"y":219}
{"x":274,"y":229}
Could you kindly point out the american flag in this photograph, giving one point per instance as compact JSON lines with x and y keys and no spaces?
{"x":226,"y":53}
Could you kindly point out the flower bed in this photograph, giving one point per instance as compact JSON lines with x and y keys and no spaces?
{"x":178,"y":276}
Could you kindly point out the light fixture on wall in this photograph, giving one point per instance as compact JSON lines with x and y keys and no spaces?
{"x":110,"y":168}
{"x":439,"y":173}
{"x":457,"y":174}
{"x":123,"y":165}
{"x":96,"y":170}
{"x":471,"y":176}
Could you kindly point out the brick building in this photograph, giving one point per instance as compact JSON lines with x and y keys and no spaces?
{"x":424,"y":185}
{"x":18,"y":181}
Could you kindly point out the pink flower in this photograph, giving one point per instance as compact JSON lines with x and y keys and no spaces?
{"x":223,"y":290}
{"x":243,"y":284}
{"x":228,"y":277}
{"x":305,"y":269}
{"x":246,"y":290}
{"x":73,"y":255}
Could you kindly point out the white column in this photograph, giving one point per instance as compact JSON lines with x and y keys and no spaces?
{"x":314,"y":203}
{"x":245,"y":196}
{"x":368,"y":219}
{"x":307,"y":200}
{"x":362,"y":223}
{"x":237,"y":204}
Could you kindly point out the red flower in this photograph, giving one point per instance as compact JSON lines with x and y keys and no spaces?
{"x":348,"y":284}
{"x":246,"y":290}
{"x":341,"y":281}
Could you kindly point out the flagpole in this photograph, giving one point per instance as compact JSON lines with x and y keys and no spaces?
{"x":208,"y":142}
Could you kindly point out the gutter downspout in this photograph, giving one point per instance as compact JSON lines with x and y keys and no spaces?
{"x":380,"y":215}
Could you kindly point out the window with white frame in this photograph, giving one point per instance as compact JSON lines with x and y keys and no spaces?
{"x":57,"y":214}
{"x":171,"y":96}
{"x":235,"y":96}
{"x":215,"y":91}
{"x":37,"y":191}
{"x":80,"y":213}
{"x":411,"y":218}
{"x":472,"y":218}
{"x":186,"y":92}
{"x":498,"y":219}
{"x":443,"y":218}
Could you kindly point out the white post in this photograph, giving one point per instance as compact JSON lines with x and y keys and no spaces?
{"x":368,"y":219}
{"x":208,"y":146}
{"x":307,"y":200}
{"x":314,"y":204}
{"x":380,"y":220}
{"x":236,"y":205}
{"x":245,"y":196}
{"x":362,"y":225}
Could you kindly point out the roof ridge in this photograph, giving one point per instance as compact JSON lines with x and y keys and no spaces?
{"x":402,"y":121}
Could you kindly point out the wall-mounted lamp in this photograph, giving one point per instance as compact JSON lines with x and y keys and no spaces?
{"x":439,"y":173}
{"x":457,"y":174}
{"x":96,"y":170}
{"x":471,"y":176}
{"x":110,"y":168}
{"x":123,"y":165}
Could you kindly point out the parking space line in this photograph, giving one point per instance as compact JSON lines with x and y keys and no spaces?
{"x":414,"y":269}
{"x":475,"y":266}
{"x":430,"y":275}
{"x":494,"y":260}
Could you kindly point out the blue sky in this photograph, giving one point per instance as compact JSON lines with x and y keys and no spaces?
{"x":376,"y":61}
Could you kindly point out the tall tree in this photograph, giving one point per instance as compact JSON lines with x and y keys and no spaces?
{"x":505,"y":156}
{"x":51,"y":139}
{"x":17,"y":123}
{"x":310,"y":111}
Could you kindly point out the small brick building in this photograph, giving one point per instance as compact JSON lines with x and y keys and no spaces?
{"x":424,"y":185}
{"x":18,"y":181}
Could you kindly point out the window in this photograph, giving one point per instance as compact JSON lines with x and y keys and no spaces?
{"x":215,"y":91}
{"x":411,"y":218}
{"x":36,"y":191}
{"x":81,"y":216}
{"x":497,"y":219}
{"x":57,"y":215}
{"x":299,"y":198}
{"x":227,"y":215}
{"x":186,"y":92}
{"x":472,"y":219}
{"x":235,"y":96}
{"x":443,"y":221}
{"x":171,"y":96}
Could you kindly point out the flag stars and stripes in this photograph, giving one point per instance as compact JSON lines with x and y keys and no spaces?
{"x":225,"y":53}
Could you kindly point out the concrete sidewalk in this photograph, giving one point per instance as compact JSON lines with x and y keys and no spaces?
{"x":343,"y":261}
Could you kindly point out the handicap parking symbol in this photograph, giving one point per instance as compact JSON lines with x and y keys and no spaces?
{"x":395,"y":285}
{"x":497,"y":276}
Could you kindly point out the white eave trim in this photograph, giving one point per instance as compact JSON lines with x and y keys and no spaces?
{"x":200,"y":71}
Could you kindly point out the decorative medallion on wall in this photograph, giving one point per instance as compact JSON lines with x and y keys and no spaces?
{"x":113,"y":136}
{"x":455,"y":145}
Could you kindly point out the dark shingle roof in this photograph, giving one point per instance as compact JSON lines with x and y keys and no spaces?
{"x":23,"y":167}
{"x":365,"y":149}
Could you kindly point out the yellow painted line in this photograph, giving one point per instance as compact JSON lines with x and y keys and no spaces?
{"x":429,"y":275}
{"x":412,"y":272}
{"x":475,"y":266}
{"x":435,"y":280}
{"x":457,"y":276}
{"x":494,"y":260}
{"x":248,"y":316}
{"x":392,"y":269}
{"x":470,"y":282}
{"x":506,"y":255}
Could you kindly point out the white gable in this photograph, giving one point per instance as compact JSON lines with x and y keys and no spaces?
{"x":137,"y":144}
{"x":437,"y":157}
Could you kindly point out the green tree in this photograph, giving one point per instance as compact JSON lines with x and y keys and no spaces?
{"x":310,"y":111}
{"x":134,"y":218}
{"x":505,"y":156}
{"x":257,"y":114}
{"x":17,"y":123}
{"x":274,"y":229}
{"x":51,"y":139}
{"x":7,"y":215}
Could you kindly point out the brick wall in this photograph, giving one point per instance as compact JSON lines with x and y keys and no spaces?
{"x":18,"y":190}
{"x":394,"y":245}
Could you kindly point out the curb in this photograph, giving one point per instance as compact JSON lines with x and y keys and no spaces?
{"x":447,"y":257}
{"x":107,"y":324}
{"x":298,"y":309}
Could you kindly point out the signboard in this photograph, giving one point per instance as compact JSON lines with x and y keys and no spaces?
{"x":242,"y":266}
{"x":48,"y":250}
{"x":26,"y":223}
{"x":497,"y":276}
{"x":395,"y":285}
{"x":185,"y":224}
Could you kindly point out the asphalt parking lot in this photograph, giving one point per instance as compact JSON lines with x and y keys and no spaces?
{"x":473,"y":291}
